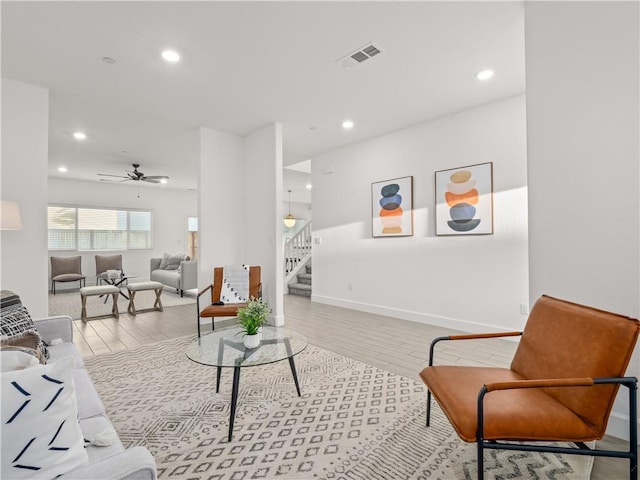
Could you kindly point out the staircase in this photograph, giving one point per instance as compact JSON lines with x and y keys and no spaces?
{"x":302,"y":286}
{"x":297,"y":262}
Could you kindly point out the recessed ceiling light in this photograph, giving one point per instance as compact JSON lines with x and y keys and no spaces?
{"x":309,"y":186}
{"x":62,"y":169}
{"x":484,"y":74}
{"x":109,"y":60}
{"x":347,"y":124}
{"x":79,"y":135}
{"x":171,"y":56}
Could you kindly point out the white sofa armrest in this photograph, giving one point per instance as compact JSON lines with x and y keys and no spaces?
{"x":134,"y":463}
{"x":188,"y":274}
{"x":51,"y":328}
{"x":154,"y":264}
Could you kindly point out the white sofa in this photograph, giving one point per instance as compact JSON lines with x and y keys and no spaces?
{"x":105,"y":462}
{"x":184,"y":278}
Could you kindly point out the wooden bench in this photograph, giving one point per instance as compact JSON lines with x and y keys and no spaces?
{"x":98,"y":291}
{"x":143,"y":286}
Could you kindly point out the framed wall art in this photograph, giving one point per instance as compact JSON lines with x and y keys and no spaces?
{"x":392,"y":207}
{"x":464,"y":200}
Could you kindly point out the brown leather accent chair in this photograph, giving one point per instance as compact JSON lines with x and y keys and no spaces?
{"x":561,"y":386}
{"x":231,"y":309}
{"x":66,"y":269}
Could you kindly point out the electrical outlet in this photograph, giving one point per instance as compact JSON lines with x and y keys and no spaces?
{"x":350,"y":286}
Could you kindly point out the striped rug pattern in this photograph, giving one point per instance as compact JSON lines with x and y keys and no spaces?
{"x":353,"y":421}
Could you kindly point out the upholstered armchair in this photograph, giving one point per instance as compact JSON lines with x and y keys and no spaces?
{"x":66,"y":269}
{"x":104,"y":263}
{"x":560,"y":387}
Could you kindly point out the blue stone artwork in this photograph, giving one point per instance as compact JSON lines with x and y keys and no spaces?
{"x":391,"y":203}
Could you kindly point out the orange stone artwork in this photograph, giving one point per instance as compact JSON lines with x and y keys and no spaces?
{"x":470,"y":197}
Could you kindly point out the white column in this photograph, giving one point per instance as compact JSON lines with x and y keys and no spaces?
{"x":221,"y":203}
{"x":263,"y":214}
{"x":582,"y":64}
{"x":25,"y":140}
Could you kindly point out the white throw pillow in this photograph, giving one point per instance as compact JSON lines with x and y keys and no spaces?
{"x":41,"y":437}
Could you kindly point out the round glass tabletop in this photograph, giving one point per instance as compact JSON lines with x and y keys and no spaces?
{"x":225,"y":348}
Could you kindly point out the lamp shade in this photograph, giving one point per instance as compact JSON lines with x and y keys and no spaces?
{"x":10,"y":216}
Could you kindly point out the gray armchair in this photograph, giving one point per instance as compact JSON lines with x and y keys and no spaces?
{"x":104,"y":263}
{"x":66,"y":269}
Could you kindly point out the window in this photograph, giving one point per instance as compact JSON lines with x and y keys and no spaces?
{"x":192,"y":237}
{"x":77,"y":228}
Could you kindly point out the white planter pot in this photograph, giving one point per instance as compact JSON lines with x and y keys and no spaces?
{"x":252,"y":341}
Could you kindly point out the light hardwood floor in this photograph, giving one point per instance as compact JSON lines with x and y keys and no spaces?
{"x":398,"y":346}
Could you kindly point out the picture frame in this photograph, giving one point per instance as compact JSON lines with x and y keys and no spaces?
{"x":464,"y":200}
{"x":392,"y":207}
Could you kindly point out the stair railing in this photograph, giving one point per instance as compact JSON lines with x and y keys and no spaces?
{"x":297,"y":251}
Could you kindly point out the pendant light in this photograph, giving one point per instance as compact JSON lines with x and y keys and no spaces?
{"x":289,"y":220}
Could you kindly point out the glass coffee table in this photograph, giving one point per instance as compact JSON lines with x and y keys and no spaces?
{"x":225,"y":349}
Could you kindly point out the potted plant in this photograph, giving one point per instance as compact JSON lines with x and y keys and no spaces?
{"x":251,"y":318}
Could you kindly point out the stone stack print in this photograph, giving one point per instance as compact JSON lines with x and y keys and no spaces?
{"x":461,"y":196}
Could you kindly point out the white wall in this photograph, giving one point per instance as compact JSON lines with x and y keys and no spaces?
{"x":584,"y":175}
{"x":465,"y":282}
{"x":25,"y":129}
{"x":170,"y":209}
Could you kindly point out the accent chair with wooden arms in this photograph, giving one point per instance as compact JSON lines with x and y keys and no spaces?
{"x":561,"y":386}
{"x":229,"y":309}
{"x":66,"y":269}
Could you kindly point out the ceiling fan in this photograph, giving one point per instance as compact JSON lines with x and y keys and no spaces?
{"x":136,"y":176}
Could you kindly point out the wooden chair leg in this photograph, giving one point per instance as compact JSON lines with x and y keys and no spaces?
{"x":158,"y":303}
{"x":83,"y":314}
{"x":114,"y":310}
{"x":132,"y":306}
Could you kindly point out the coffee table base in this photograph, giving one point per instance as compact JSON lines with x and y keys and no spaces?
{"x":236,"y":381}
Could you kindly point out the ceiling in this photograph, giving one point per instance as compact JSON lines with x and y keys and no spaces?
{"x":245,"y":65}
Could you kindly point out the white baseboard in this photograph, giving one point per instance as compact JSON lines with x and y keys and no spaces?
{"x":436,"y":320}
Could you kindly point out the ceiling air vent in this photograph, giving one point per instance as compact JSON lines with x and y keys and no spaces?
{"x":359,"y":56}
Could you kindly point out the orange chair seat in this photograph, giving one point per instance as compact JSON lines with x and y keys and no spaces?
{"x":228,"y":310}
{"x":522,"y":414}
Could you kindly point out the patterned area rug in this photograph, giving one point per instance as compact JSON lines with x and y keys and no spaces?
{"x":353,"y":421}
{"x":69,"y":302}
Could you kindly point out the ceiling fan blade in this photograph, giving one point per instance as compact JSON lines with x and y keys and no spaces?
{"x":149,"y":180}
{"x":114,"y":181}
{"x":107,"y":175}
